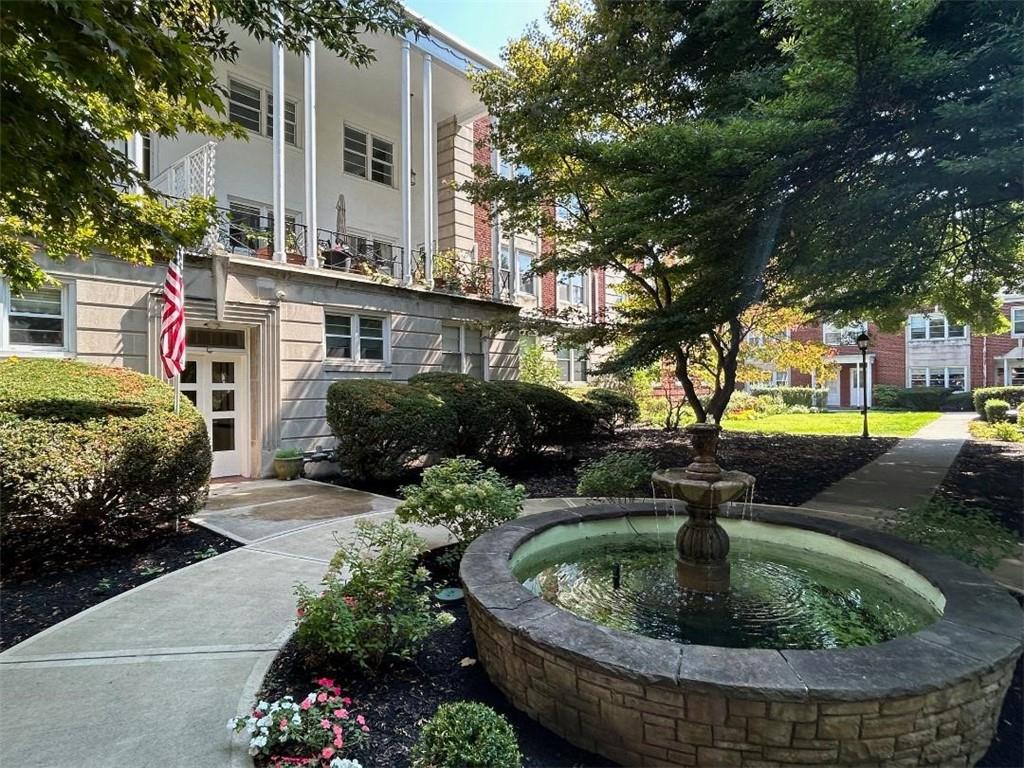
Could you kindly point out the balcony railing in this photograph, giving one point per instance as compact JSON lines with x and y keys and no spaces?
{"x":190,"y":176}
{"x":358,"y":254}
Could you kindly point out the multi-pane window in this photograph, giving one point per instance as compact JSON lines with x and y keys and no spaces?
{"x":463,"y":350}
{"x":834,"y":336}
{"x":36,"y":319}
{"x":250,"y":227}
{"x":572,"y":365}
{"x":368,"y":157}
{"x":954,"y":378}
{"x":355,"y":337}
{"x":524,"y":262}
{"x":571,"y":288}
{"x":1017,"y":376}
{"x":935,"y":327}
{"x":290,"y":124}
{"x":1017,"y":321}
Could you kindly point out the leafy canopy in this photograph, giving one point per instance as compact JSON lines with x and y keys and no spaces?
{"x":81,"y":76}
{"x":844,"y":159}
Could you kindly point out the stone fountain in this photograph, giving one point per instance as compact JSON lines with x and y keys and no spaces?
{"x":702,"y":545}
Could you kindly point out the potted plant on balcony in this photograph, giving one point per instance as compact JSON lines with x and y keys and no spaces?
{"x":288,"y":463}
{"x":446,"y":270}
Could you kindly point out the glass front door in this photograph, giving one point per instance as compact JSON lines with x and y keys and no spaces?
{"x":215,"y":383}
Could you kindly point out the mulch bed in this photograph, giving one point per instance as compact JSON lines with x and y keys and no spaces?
{"x":33,"y":599}
{"x":398,"y":701}
{"x":790,"y":469}
{"x":989,"y":475}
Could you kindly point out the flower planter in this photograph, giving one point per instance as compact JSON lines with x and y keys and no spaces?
{"x":288,"y":469}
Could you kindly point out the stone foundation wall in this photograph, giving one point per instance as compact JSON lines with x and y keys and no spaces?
{"x":638,"y":724}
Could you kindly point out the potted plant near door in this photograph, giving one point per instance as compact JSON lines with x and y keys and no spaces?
{"x":288,"y":463}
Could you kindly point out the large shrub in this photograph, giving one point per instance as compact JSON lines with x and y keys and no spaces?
{"x":996,"y":410}
{"x":466,"y":734}
{"x":885,"y":396}
{"x":1012,"y":395}
{"x":488,"y":418}
{"x":555,"y":419}
{"x":612,"y":410}
{"x":382,"y":427}
{"x":911,"y":398}
{"x":810,"y":397}
{"x":959,"y":401}
{"x":462,"y":496}
{"x":373,"y":607}
{"x":619,"y":475}
{"x":91,"y":454}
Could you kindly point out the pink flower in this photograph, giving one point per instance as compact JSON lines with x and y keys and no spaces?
{"x":365,"y":729}
{"x":306,"y":704}
{"x":337,"y":730}
{"x":341,"y":714}
{"x":350,"y":601}
{"x":283,"y":724}
{"x":335,"y":690}
{"x":339,"y":741}
{"x":325,"y":724}
{"x":346,"y":701}
{"x":326,"y":753}
{"x":257,"y":714}
{"x":325,"y":682}
{"x":360,"y":719}
{"x":321,"y":697}
{"x":300,"y":611}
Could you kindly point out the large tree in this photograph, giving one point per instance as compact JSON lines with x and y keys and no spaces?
{"x":79,"y":77}
{"x":847,"y":159}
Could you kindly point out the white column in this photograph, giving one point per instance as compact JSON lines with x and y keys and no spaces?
{"x":429,"y":169}
{"x":867,"y":383}
{"x":135,"y":155}
{"x":277,"y":65}
{"x":405,"y":163}
{"x":309,"y":81}
{"x":495,"y":229}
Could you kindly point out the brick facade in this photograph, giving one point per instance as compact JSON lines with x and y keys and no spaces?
{"x":481,"y":211}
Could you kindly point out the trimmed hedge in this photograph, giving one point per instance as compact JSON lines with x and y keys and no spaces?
{"x":555,"y":418}
{"x":810,"y":397}
{"x":1012,"y":395}
{"x":383,"y":427}
{"x":909,"y":398}
{"x":996,"y":410}
{"x":489,"y":420}
{"x":93,"y":455}
{"x":959,"y":401}
{"x":611,"y":410}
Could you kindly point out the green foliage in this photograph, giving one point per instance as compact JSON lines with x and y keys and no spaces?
{"x":1003,"y":431}
{"x":555,"y":418}
{"x":996,"y":410}
{"x":618,"y":475}
{"x":808,"y":397}
{"x":373,"y":608}
{"x":612,"y":410}
{"x":910,"y":398}
{"x":968,"y":534}
{"x":959,"y":401}
{"x":288,"y":453}
{"x":1013,"y":395}
{"x":488,"y":418}
{"x":535,"y":367}
{"x":93,"y":455}
{"x":462,"y":496}
{"x":382,"y":426}
{"x":87,"y":74}
{"x":466,"y":734}
{"x":885,"y":396}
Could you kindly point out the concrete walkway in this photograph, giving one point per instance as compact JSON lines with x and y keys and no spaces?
{"x":150,"y":677}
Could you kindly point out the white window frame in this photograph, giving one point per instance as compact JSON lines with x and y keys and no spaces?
{"x":845,"y":336}
{"x":485,"y":349}
{"x":575,"y":353}
{"x":68,"y":305}
{"x":264,"y":113}
{"x":368,"y":156}
{"x":1017,"y":316}
{"x":927,"y":319}
{"x":929,"y":370}
{"x":355,"y":319}
{"x":566,"y":279}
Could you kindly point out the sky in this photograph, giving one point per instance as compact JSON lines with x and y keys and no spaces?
{"x":485,"y":25}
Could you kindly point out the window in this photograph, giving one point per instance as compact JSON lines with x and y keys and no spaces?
{"x":244,"y":105}
{"x":1017,"y":321}
{"x":934,"y":327}
{"x":572,"y":365}
{"x":147,"y":157}
{"x":359,"y":338}
{"x":463,"y":350}
{"x":290,"y":131}
{"x":951,"y":378}
{"x":1017,"y":376}
{"x":36,"y":321}
{"x":834,"y":336}
{"x":368,"y":157}
{"x":524,"y":261}
{"x":571,"y":288}
{"x":780,"y":378}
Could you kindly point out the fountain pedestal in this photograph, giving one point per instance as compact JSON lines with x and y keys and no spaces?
{"x":702,"y":545}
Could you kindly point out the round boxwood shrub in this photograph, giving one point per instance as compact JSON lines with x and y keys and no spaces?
{"x":91,"y":455}
{"x":466,"y":734}
{"x":382,"y":426}
{"x":489,"y":418}
{"x":996,"y":410}
{"x":555,"y":419}
{"x":1012,"y":395}
{"x":612,"y":410}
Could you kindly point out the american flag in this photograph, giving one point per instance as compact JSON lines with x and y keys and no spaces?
{"x":172,"y":329}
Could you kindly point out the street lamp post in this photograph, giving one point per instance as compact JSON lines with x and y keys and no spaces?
{"x":862,"y":344}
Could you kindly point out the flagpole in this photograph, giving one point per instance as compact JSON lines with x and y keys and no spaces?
{"x":180,"y":257}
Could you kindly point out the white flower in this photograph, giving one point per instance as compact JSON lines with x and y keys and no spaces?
{"x":296,"y":720}
{"x":263,"y":706}
{"x":265,"y":720}
{"x":344,"y":763}
{"x":253,"y":751}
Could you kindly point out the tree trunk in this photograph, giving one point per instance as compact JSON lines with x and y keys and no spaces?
{"x":726,"y":364}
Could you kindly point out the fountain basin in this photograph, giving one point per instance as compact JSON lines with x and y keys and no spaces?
{"x":927,"y":698}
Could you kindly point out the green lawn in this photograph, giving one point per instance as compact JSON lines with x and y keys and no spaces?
{"x":880,"y":423}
